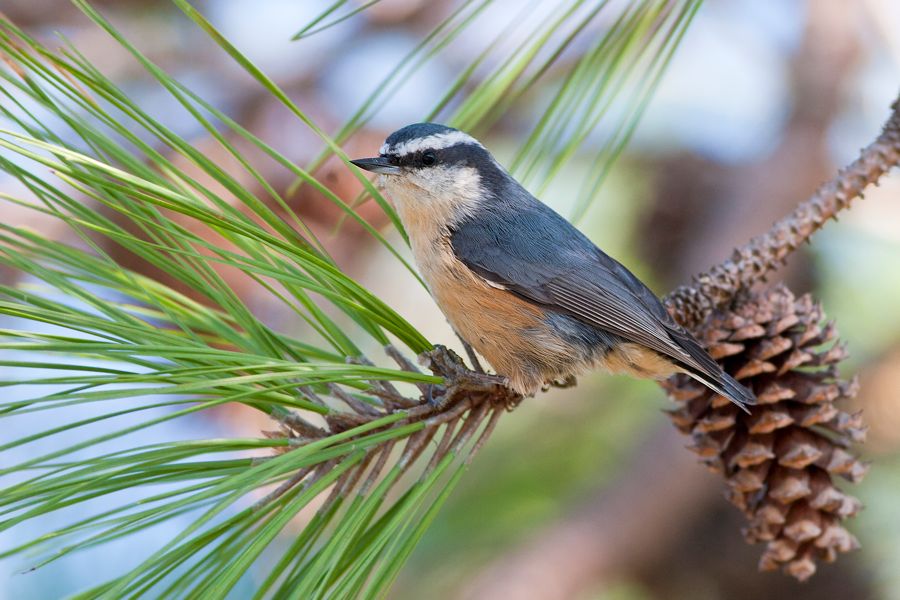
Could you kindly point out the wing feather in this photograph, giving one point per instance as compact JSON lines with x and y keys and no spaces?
{"x":530,"y":250}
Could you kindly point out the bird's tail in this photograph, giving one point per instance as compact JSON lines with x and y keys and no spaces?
{"x":727,"y":386}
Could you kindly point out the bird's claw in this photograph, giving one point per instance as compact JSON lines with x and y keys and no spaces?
{"x":459,"y":378}
{"x":438,"y":400}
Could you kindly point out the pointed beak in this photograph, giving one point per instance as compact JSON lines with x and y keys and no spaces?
{"x":379,"y":164}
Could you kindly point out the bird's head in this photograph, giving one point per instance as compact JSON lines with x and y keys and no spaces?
{"x":431,"y":171}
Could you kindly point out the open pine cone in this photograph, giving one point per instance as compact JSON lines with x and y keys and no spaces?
{"x":780,"y":461}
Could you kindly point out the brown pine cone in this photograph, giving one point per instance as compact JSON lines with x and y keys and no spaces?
{"x":780,"y":461}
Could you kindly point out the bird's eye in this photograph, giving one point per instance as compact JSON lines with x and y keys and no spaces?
{"x":429,"y":159}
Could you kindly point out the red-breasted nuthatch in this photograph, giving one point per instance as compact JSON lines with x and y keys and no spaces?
{"x":518,"y":282}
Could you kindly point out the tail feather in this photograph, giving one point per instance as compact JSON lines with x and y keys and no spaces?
{"x":701,"y":366}
{"x":727,"y":386}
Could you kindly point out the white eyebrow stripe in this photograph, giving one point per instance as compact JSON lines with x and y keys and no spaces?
{"x":437,"y":141}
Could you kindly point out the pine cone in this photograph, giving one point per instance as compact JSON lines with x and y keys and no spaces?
{"x":780,"y":461}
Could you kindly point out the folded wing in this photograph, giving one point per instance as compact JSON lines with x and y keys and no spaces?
{"x":541,"y":257}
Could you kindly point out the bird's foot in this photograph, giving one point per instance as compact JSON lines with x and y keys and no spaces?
{"x":459,"y":379}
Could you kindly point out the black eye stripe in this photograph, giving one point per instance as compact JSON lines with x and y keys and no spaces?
{"x":458,"y":154}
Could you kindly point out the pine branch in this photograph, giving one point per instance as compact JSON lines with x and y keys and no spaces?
{"x":467,"y":394}
{"x":753,"y":262}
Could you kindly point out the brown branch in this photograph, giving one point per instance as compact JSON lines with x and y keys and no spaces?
{"x":753,"y":262}
{"x":475,"y":397}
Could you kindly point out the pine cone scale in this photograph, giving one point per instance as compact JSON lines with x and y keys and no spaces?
{"x":781,"y":460}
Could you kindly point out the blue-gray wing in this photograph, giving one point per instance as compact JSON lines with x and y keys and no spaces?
{"x":539,"y":256}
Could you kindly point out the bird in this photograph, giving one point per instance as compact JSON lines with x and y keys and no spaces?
{"x":518,"y":282}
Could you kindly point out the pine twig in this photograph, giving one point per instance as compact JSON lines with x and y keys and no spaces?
{"x":753,"y":262}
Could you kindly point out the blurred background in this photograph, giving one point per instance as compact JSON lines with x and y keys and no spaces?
{"x":588,"y":492}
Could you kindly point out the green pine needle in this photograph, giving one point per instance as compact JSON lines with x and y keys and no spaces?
{"x":86,"y":335}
